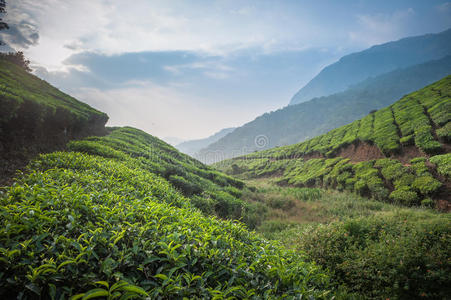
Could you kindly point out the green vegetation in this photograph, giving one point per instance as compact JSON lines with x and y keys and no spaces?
{"x":36,"y":117}
{"x":375,"y":249}
{"x":304,"y":121}
{"x":382,"y":179}
{"x":400,"y":254}
{"x":209,"y":190}
{"x":102,"y":220}
{"x":21,"y":92}
{"x":410,"y":121}
{"x":413,"y":118}
{"x":443,"y":163}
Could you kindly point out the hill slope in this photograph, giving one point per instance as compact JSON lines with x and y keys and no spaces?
{"x":401,"y":153}
{"x":376,"y":60}
{"x":79,"y":223}
{"x":192,"y":147}
{"x":296,"y":123}
{"x":36,"y":117}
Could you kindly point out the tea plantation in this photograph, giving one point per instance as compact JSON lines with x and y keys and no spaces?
{"x":104,"y":220}
{"x":35,"y":118}
{"x":21,"y":92}
{"x":419,"y":121}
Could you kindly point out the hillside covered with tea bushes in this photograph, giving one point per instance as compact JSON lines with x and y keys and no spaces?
{"x":36,"y":117}
{"x":116,"y":216}
{"x":398,"y":154}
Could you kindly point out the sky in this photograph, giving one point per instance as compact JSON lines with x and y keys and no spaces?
{"x":187,"y":69}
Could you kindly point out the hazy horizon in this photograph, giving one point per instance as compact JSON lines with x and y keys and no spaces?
{"x":187,"y":71}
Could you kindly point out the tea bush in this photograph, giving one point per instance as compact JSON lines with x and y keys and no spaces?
{"x":19,"y":89}
{"x":443,"y":163}
{"x":87,"y":225}
{"x":186,"y":174}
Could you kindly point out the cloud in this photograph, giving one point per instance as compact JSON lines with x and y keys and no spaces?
{"x":160,"y":110}
{"x":23,"y":31}
{"x":381,"y":27}
{"x":114,"y":27}
{"x":184,"y":93}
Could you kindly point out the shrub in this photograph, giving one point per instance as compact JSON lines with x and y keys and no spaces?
{"x":188,"y":188}
{"x":404,"y":195}
{"x":76,"y":222}
{"x":405,"y":180}
{"x":395,"y":256}
{"x":426,"y":185}
{"x":445,"y":132}
{"x":443,"y":163}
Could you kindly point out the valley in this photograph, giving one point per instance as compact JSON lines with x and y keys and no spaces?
{"x":345,"y":193}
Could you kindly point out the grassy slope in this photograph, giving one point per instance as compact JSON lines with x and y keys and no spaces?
{"x":296,"y":123}
{"x":19,"y":88}
{"x":419,"y":121}
{"x":36,"y":117}
{"x":105,"y":212}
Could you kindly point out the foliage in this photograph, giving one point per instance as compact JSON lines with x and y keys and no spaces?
{"x":17,"y":58}
{"x":212,"y":191}
{"x":316,"y":162}
{"x":443,"y":163}
{"x":37,"y":101}
{"x":400,"y":255}
{"x":101,"y":224}
{"x":382,"y":179}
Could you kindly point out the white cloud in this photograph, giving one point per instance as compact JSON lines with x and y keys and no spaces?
{"x":114,"y":26}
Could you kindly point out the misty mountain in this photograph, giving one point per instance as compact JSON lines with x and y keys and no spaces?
{"x":296,"y":123}
{"x":374,"y":61}
{"x":193,"y":146}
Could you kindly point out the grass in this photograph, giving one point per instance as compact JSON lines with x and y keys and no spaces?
{"x":374,"y":249}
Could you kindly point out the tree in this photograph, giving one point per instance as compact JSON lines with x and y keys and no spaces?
{"x":3,"y":25}
{"x":17,"y":58}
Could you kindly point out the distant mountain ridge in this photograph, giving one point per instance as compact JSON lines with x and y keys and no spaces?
{"x":296,"y":123}
{"x":193,"y":146}
{"x":379,"y":59}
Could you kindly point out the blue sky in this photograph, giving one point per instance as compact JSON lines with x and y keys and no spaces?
{"x":190,"y":68}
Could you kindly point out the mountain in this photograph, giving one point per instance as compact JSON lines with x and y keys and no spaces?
{"x":374,"y":61}
{"x":299,"y":122}
{"x":400,"y":153}
{"x":192,"y":147}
